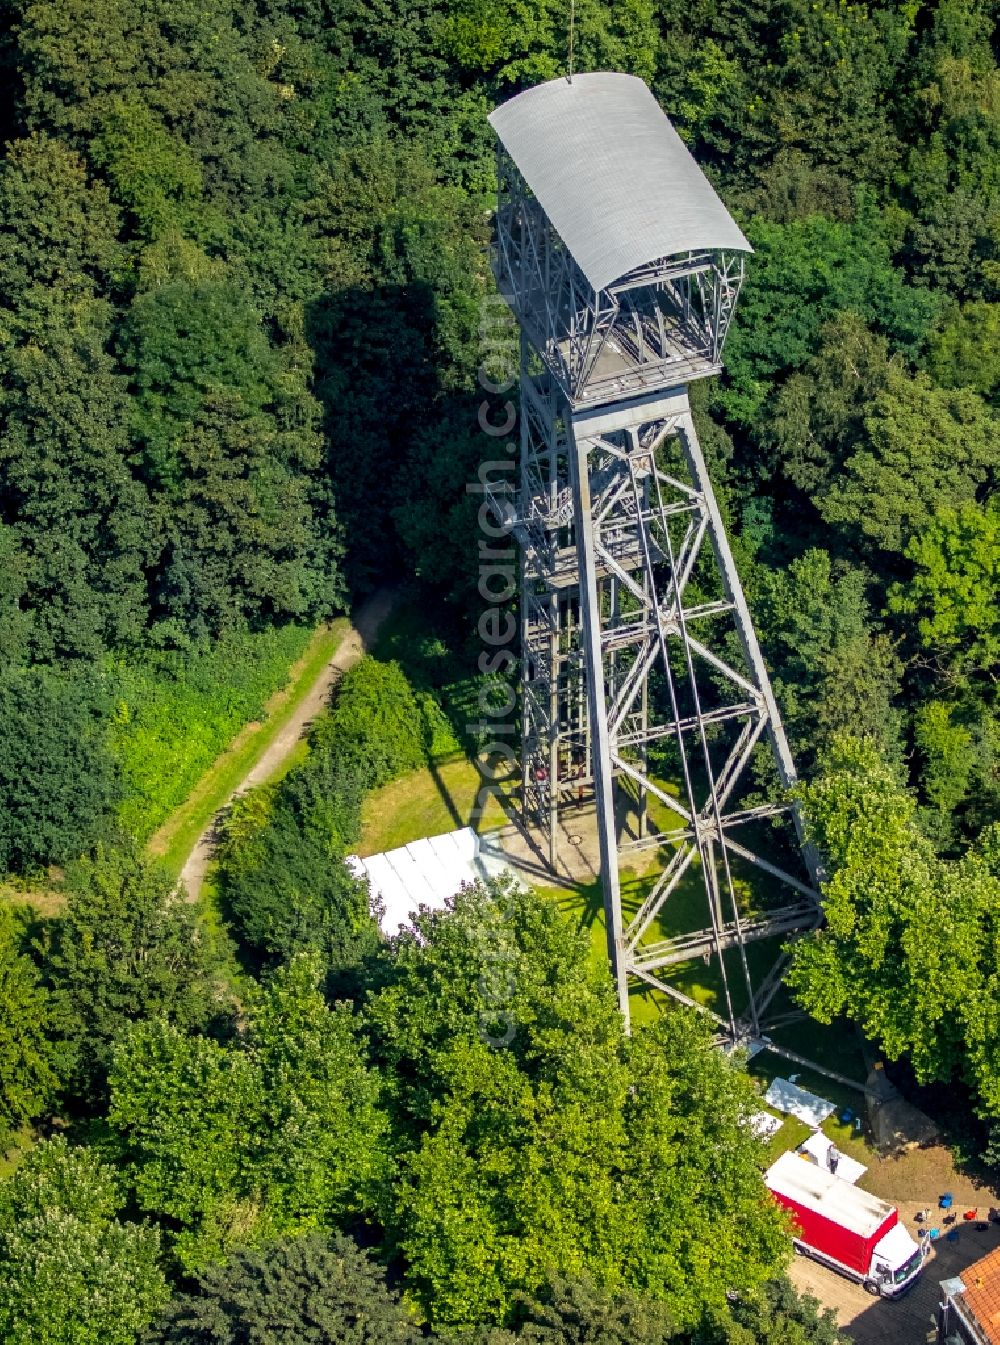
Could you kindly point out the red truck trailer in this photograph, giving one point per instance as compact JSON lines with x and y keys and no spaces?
{"x":846,"y":1229}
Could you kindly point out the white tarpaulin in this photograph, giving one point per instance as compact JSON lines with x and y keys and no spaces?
{"x":424,"y":873}
{"x":783,"y":1095}
{"x":764,"y":1125}
{"x":818,"y":1148}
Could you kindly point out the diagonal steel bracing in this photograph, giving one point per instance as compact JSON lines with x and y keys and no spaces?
{"x":616,"y":517}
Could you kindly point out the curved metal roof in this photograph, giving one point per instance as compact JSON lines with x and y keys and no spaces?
{"x":615,"y":179}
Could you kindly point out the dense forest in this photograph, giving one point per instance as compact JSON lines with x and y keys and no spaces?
{"x":243,"y":262}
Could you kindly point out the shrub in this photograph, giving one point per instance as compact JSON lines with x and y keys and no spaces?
{"x":375,"y":724}
{"x":284,"y":883}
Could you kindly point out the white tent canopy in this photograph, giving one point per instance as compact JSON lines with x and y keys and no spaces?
{"x":424,"y":873}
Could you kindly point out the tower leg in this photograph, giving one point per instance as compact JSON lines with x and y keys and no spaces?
{"x":554,"y":718}
{"x":615,"y":509}
{"x":599,"y":735}
{"x":745,"y":629}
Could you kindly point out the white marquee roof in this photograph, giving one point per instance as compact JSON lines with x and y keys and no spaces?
{"x":614,"y":178}
{"x":424,"y":873}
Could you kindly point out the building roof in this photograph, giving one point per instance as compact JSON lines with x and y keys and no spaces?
{"x":982,"y":1294}
{"x":798,"y":1179}
{"x":613,"y":176}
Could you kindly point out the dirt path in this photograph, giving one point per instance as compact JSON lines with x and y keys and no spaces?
{"x":358,"y":639}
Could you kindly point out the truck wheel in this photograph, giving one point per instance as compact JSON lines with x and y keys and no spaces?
{"x":870,"y":1287}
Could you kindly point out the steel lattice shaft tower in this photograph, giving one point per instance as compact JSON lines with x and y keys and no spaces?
{"x":623,"y":268}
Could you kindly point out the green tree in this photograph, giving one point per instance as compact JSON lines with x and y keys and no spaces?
{"x":536,"y":1141}
{"x":965,"y":353}
{"x":818,"y":413}
{"x":951,"y":177}
{"x":944,"y":743}
{"x":184,"y":1110}
{"x":187,"y":115}
{"x":395,"y":337}
{"x":834,"y":74}
{"x":231,"y":446}
{"x":926,"y":447}
{"x":323,"y":1154}
{"x":833,"y":669}
{"x":955,"y":589}
{"x":578,"y":1312}
{"x":277,"y":1131}
{"x":803,"y":275}
{"x":525,"y":44}
{"x":954,"y":647}
{"x":285,"y":886}
{"x":123,"y":950}
{"x":71,"y":1272}
{"x":154,"y":174}
{"x":66,"y":487}
{"x":778,"y":1315}
{"x":27,"y":1066}
{"x":908,"y":950}
{"x":291,"y":1293}
{"x":374,"y":724}
{"x":58,"y":781}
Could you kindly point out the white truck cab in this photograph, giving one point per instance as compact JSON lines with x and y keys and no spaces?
{"x":896,"y":1261}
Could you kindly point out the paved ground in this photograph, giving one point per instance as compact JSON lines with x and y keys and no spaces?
{"x":578,"y":859}
{"x":358,"y":639}
{"x":925,"y":1173}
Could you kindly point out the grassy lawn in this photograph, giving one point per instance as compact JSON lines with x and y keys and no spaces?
{"x":440,"y":797}
{"x":176,"y":713}
{"x":176,"y":838}
{"x":684,"y":911}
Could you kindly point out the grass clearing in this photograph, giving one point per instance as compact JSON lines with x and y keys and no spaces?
{"x":177,"y":837}
{"x":438,"y":798}
{"x":43,"y":896}
{"x":442,"y":795}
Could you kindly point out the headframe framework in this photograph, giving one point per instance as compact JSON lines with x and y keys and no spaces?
{"x":636,"y":636}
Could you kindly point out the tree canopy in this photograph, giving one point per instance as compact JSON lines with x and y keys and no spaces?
{"x":558,"y":1152}
{"x":244,"y":299}
{"x":290,"y":1293}
{"x":70,"y":1269}
{"x":273,"y":1132}
{"x":124,"y":950}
